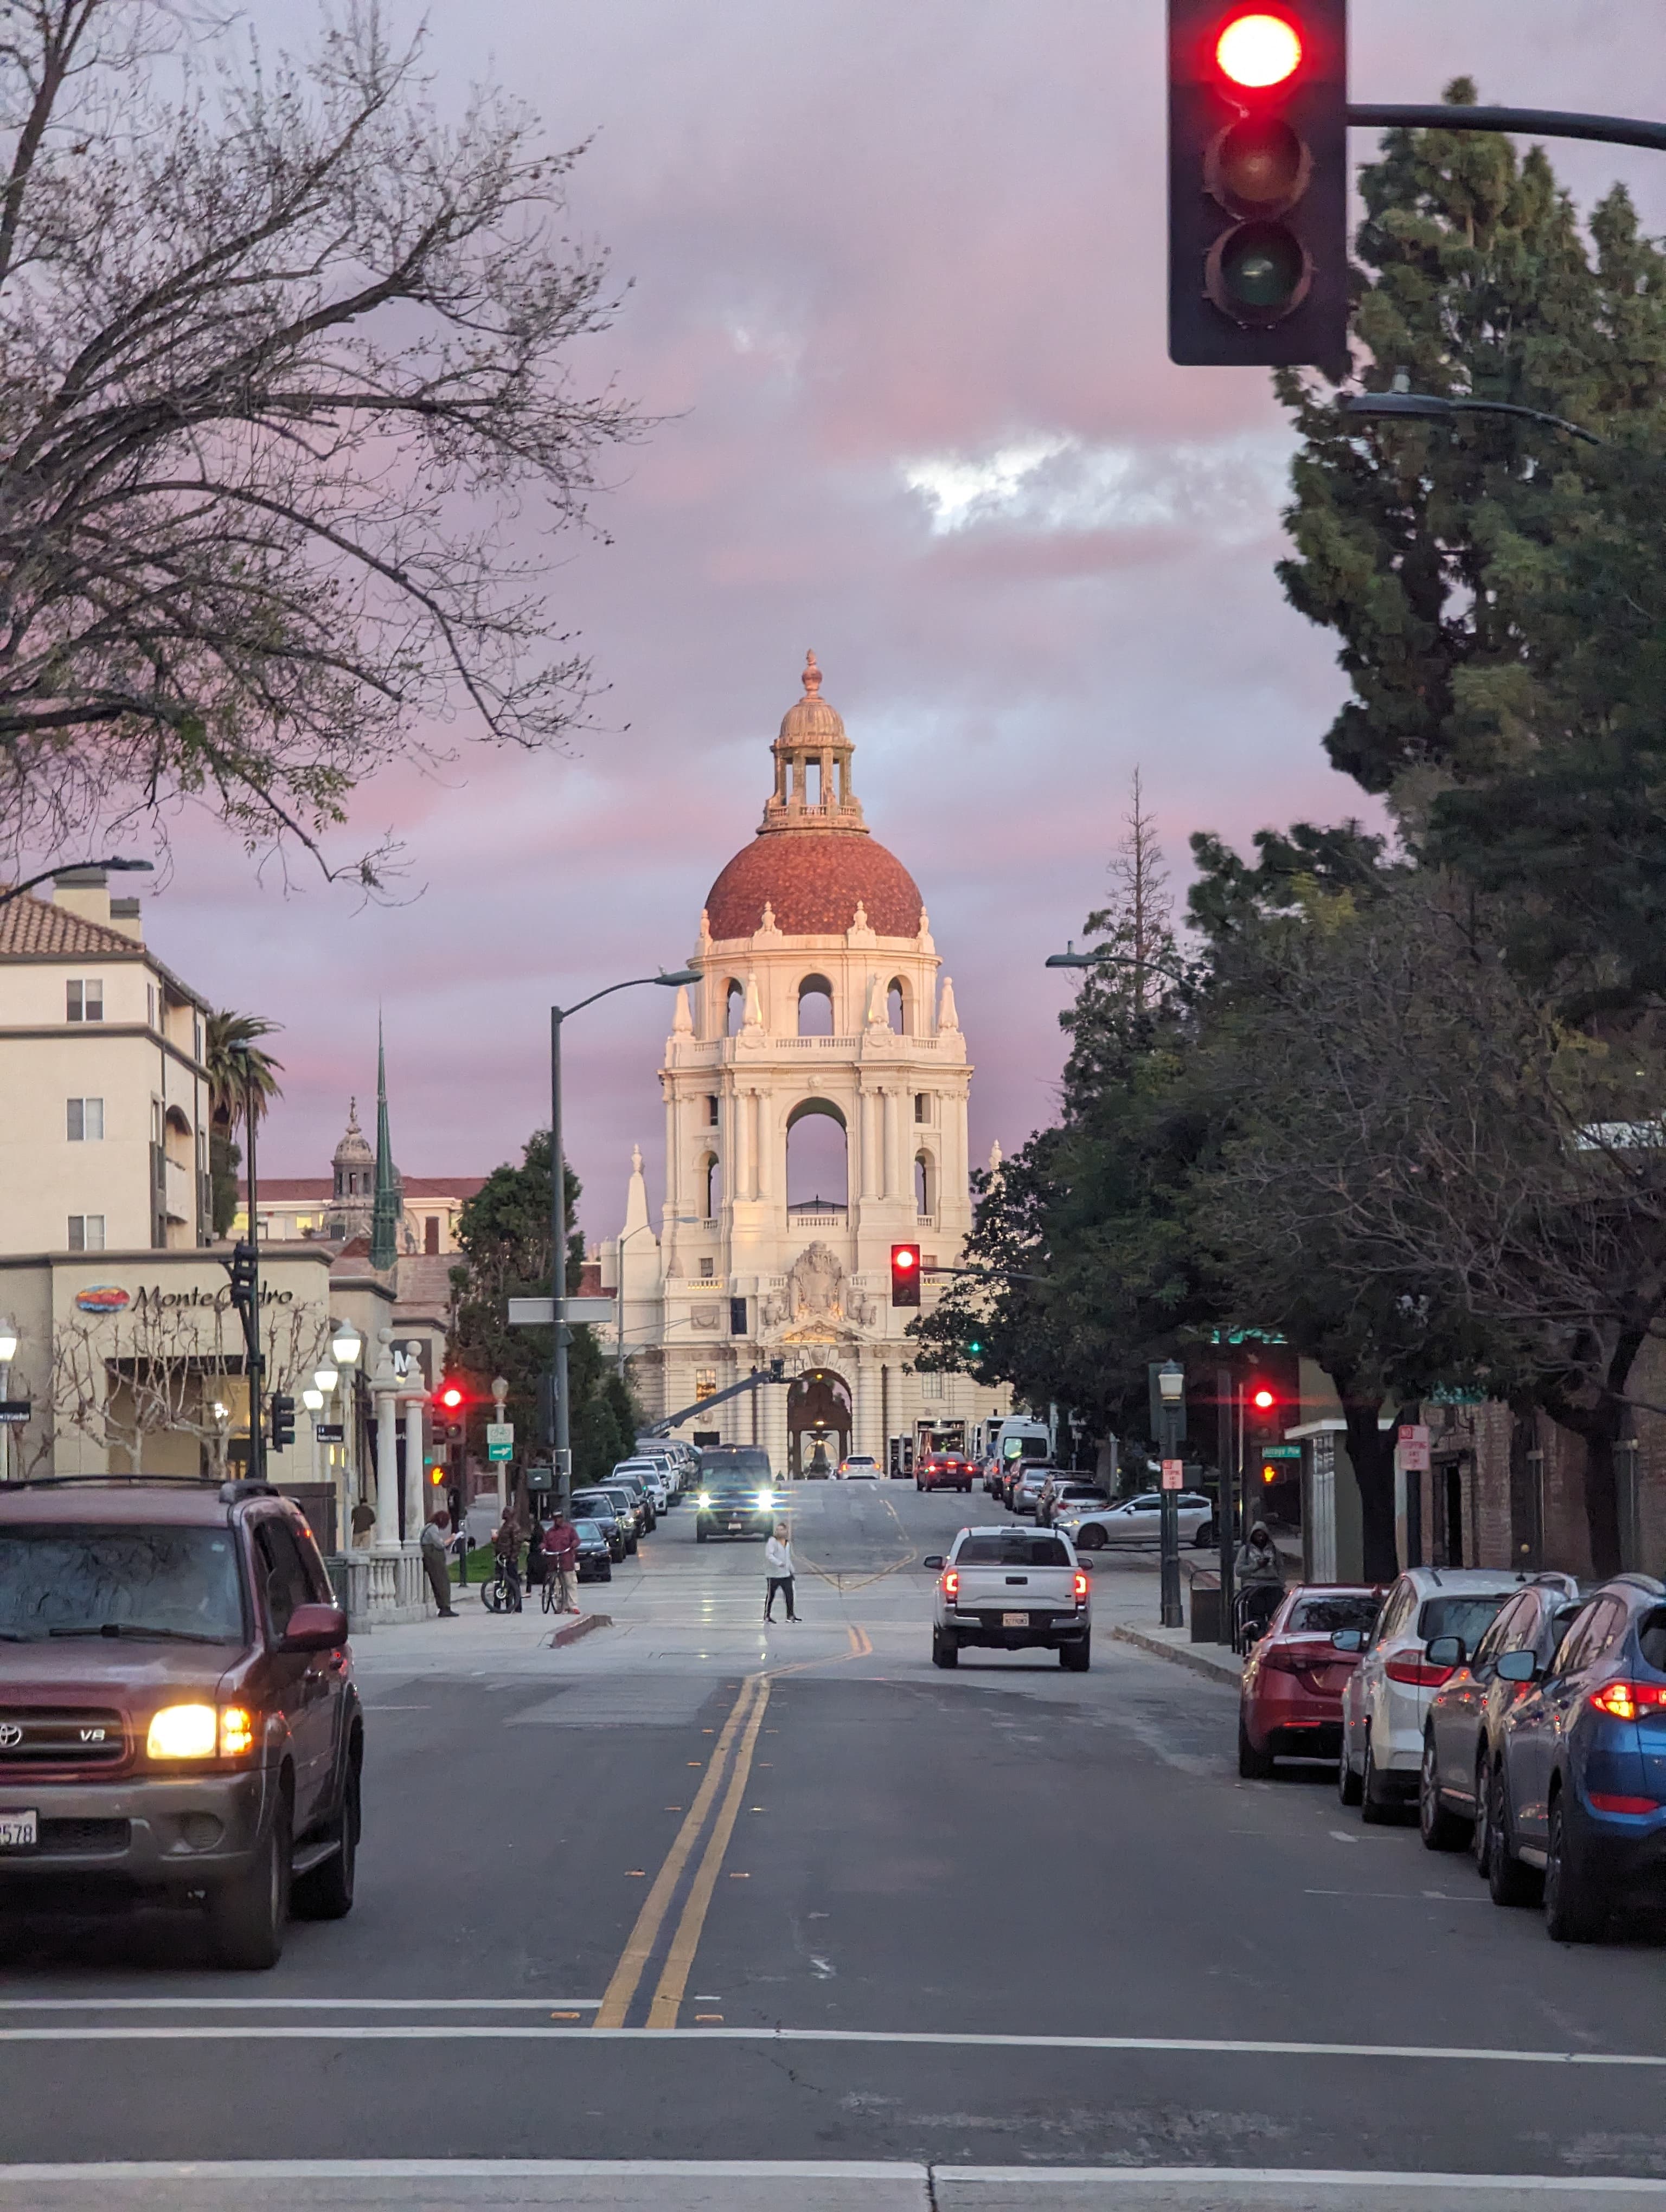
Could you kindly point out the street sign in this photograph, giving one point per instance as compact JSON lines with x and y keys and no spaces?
{"x":1414,"y":1446}
{"x":537,"y":1313}
{"x":330,"y":1432}
{"x":500,"y":1440}
{"x":1174,"y":1474}
{"x":1281,"y":1451}
{"x":15,"y":1411}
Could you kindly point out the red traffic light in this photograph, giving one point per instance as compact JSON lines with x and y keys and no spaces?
{"x":1256,"y":51}
{"x":905,"y":1275}
{"x":452,"y":1396}
{"x":1264,"y":1400}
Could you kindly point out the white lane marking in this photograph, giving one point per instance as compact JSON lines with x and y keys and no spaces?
{"x":1342,"y":1836}
{"x":1213,"y":2047}
{"x":1402,"y":1896}
{"x":823,"y":1967}
{"x":1109,"y":2178}
{"x":300,"y":2004}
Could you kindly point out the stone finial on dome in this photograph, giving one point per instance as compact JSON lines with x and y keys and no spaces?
{"x":947,"y":1017}
{"x":682,"y":1021}
{"x":812,"y":676}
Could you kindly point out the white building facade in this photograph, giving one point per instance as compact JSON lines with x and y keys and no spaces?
{"x":819,"y":1000}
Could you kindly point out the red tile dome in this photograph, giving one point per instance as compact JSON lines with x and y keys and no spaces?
{"x":813,"y":880}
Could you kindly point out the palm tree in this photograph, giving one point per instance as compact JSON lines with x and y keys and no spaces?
{"x":239,"y":1074}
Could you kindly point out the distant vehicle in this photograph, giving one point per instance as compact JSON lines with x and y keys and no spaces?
{"x":737,"y":1493}
{"x":627,"y":1505}
{"x":635,"y":1486}
{"x":1011,"y":1589}
{"x":1074,"y":1498}
{"x":1388,"y":1694}
{"x":860,"y":1467}
{"x":597,"y":1506}
{"x":1466,"y":1714}
{"x":1019,"y":1437}
{"x":653,"y":1476}
{"x":1290,"y":1697}
{"x":1024,"y":1491}
{"x":1139,"y":1521}
{"x":595,"y":1554}
{"x":943,"y":1471}
{"x":1583,"y":1762}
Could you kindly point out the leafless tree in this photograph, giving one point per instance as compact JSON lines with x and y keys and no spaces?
{"x":284,"y":359}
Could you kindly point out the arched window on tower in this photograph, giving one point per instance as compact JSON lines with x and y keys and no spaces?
{"x":816,"y":1162}
{"x":815,"y":1006}
{"x":734,"y":1007}
{"x":925,"y":1186}
{"x":897,"y":1009}
{"x":710,"y":1187}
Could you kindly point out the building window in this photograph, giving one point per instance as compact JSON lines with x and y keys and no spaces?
{"x":156,"y":1121}
{"x":925,"y":1186}
{"x":734,"y":1007}
{"x":711,"y":1110}
{"x":705,"y":1382}
{"x":708,"y":1269}
{"x":931,"y":1384}
{"x":431,"y":1235}
{"x":923,"y":1106}
{"x":815,"y":1006}
{"x":197,"y":1033}
{"x":85,"y":1000}
{"x":709,"y":1174}
{"x":85,"y":1120}
{"x":87,"y":1232}
{"x":896,"y":1005}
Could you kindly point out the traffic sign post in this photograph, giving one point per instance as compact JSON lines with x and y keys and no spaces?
{"x":1174,"y":1474}
{"x":500,"y":1440}
{"x":1412,"y":1444}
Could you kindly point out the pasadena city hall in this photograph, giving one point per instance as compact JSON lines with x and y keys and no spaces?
{"x":818,"y":998}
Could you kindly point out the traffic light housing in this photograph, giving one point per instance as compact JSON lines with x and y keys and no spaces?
{"x":241,"y":1269}
{"x":284,"y":1420}
{"x":1258,"y":176}
{"x":905,"y":1275}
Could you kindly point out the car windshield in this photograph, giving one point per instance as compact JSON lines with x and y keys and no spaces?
{"x":1325,"y":1616}
{"x":174,"y":1583}
{"x":1469,"y":1615}
{"x":1081,"y":1494}
{"x":1002,"y":1549}
{"x":741,"y":1469}
{"x":589,"y":1532}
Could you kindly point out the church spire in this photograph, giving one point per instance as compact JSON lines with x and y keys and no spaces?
{"x":389,"y":1201}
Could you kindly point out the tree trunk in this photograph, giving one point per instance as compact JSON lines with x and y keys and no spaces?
{"x":1600,"y":1427}
{"x":1371,"y":1448}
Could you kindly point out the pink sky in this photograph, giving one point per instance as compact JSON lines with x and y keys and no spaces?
{"x":896,"y":297}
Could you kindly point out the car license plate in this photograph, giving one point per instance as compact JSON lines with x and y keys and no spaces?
{"x":20,"y":1832}
{"x":1015,"y":1620}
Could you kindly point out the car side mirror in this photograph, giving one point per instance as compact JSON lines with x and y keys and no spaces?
{"x":1445,"y":1651}
{"x":932,"y":1560}
{"x":1517,"y":1666}
{"x":1349,"y":1639}
{"x":315,"y":1628}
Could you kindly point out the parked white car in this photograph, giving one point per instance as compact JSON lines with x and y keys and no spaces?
{"x":651,"y":1476}
{"x":1139,"y":1520}
{"x":1386,"y":1700}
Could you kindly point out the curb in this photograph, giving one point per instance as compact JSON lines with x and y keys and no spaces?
{"x":1180,"y":1654}
{"x":578,"y":1628}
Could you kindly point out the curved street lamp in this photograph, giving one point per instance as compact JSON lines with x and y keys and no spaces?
{"x":116,"y":864}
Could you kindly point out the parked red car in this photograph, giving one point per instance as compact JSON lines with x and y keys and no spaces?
{"x":1289,"y":1705}
{"x":943,"y":1471}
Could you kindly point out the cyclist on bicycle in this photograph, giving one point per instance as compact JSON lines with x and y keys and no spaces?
{"x":561,"y":1558}
{"x":506,"y":1543}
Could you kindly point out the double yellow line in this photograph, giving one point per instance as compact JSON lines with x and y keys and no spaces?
{"x":733,"y":1756}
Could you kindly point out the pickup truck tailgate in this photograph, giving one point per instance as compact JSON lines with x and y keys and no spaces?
{"x":999,"y":1591}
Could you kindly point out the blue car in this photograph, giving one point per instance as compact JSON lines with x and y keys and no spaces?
{"x":1583,"y":1765}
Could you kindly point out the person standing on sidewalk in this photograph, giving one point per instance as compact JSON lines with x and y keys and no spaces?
{"x":506,"y":1543}
{"x":778,"y":1567}
{"x":436,"y":1537}
{"x":561,"y":1558}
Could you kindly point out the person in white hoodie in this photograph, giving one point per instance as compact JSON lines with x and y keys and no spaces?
{"x":778,"y":1566}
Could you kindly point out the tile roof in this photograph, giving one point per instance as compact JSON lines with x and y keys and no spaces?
{"x":317,"y":1190}
{"x":32,"y":926}
{"x":814,"y":880}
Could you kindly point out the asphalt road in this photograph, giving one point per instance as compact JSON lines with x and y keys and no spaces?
{"x":692,"y":1890}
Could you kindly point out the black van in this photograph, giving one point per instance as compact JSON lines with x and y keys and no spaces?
{"x":737,"y":1492}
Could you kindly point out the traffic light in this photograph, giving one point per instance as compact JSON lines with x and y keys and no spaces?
{"x":905,"y":1275}
{"x":974,"y":1346}
{"x":241,"y":1269}
{"x":284,"y":1420}
{"x":1264,"y":1400}
{"x":1258,"y":271}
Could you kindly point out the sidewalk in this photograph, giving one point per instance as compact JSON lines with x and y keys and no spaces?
{"x":1125,"y":1606}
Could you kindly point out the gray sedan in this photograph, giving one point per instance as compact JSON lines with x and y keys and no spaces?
{"x":1137,"y":1522}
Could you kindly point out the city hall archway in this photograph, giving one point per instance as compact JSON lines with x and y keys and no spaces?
{"x":819,"y":1421}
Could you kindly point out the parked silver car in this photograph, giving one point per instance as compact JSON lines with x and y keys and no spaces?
{"x":1139,"y":1520}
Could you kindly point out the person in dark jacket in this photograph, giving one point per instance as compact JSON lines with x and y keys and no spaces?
{"x":535,"y":1553}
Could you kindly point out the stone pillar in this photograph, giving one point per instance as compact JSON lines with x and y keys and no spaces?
{"x":741,"y":1144}
{"x":416,"y":1472}
{"x":774,"y":1427}
{"x":673,"y":1166}
{"x":891,"y":1123}
{"x":766,"y":1147}
{"x":385,"y":1389}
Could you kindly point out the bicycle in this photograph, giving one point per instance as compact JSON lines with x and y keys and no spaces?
{"x":500,"y":1592}
{"x":552,"y":1592}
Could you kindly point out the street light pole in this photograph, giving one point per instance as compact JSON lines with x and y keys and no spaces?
{"x":116,"y":865}
{"x":252,"y":1319}
{"x":558,"y":1434}
{"x":1171,"y":1386}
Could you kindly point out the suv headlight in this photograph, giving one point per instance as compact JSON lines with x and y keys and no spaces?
{"x":199,"y":1731}
{"x":704,"y":1499}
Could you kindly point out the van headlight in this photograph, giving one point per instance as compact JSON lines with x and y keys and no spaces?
{"x":766,"y":1498}
{"x":704,"y":1499}
{"x":200,"y":1731}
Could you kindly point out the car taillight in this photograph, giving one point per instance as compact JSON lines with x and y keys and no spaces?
{"x":1280,"y":1658}
{"x":952,"y":1584}
{"x":1079,"y":1586}
{"x":1417,"y":1671}
{"x":1625,"y":1701}
{"x":1606,"y":1804}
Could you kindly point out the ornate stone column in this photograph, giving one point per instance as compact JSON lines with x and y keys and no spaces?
{"x":384,"y":1389}
{"x":416,"y":1472}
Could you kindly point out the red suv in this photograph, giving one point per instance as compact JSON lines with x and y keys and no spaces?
{"x":943,"y":1471}
{"x":179,"y":1723}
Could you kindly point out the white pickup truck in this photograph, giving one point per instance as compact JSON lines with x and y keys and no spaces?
{"x":1012,"y":1589}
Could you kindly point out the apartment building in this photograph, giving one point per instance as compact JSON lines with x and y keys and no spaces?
{"x":104,"y":1105}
